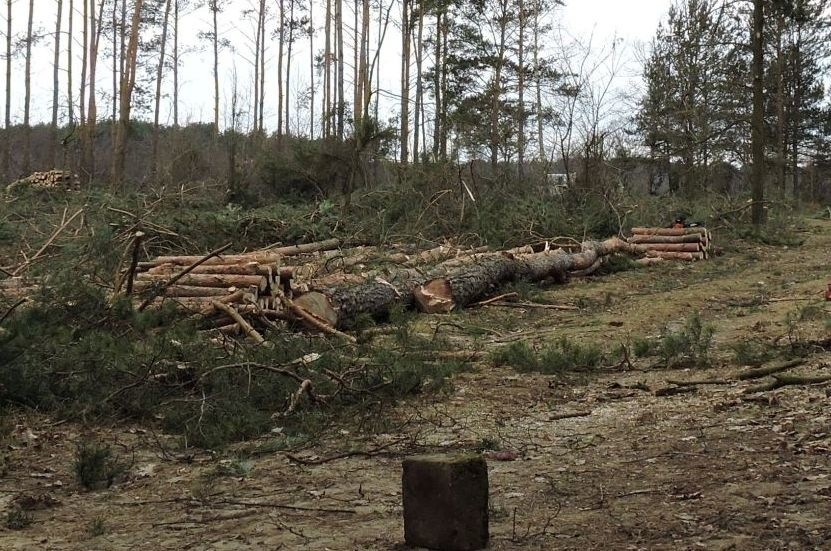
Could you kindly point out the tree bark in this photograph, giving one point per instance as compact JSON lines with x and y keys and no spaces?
{"x":326,"y":114}
{"x":88,"y":142}
{"x":280,"y":48}
{"x":7,"y":147}
{"x":520,"y":146}
{"x":56,"y":86}
{"x":758,"y":116}
{"x":419,"y":53}
{"x":288,"y":66}
{"x":341,"y":59}
{"x":311,"y":72}
{"x":176,"y":63}
{"x":215,"y":8}
{"x":27,"y":129}
{"x":343,"y":305}
{"x":128,"y":82}
{"x":158,"y":100}
{"x":405,"y":81}
{"x":538,"y":83}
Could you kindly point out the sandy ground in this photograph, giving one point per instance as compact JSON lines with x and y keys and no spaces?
{"x":597,"y":461}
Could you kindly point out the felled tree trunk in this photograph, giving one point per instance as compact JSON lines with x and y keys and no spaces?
{"x":444,"y":288}
{"x":472,"y":283}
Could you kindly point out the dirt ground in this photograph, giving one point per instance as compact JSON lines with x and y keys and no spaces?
{"x":597,"y":461}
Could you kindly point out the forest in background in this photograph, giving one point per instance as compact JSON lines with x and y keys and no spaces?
{"x":495,"y":81}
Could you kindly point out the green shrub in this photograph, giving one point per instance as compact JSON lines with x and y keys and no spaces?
{"x":689,"y":346}
{"x":561,"y":356}
{"x":95,"y":466}
{"x":18,"y":519}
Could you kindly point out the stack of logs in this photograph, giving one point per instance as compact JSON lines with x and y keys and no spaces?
{"x":674,"y":243}
{"x":52,"y":179}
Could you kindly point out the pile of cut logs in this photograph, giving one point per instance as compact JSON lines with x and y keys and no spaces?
{"x":52,"y":179}
{"x":674,"y":243}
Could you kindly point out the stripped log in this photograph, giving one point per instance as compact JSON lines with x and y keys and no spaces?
{"x":674,"y":247}
{"x":185,"y":290}
{"x":248,"y":268}
{"x":673,"y":255}
{"x":669,"y":231}
{"x":327,"y":244}
{"x":222,"y":281}
{"x":259,"y":257}
{"x":690,"y":238}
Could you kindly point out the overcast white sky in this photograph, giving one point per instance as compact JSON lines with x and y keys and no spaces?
{"x":632,"y":20}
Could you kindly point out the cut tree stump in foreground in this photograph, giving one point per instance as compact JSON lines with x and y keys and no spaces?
{"x":446,"y":502}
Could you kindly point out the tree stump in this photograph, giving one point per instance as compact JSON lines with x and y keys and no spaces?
{"x":446,"y":502}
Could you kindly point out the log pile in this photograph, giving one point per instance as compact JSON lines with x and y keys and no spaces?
{"x":63,"y":180}
{"x":688,"y":244}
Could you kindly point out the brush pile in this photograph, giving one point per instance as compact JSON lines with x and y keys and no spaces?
{"x":674,"y":243}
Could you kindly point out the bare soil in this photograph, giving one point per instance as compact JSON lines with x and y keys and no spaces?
{"x":586,"y":461}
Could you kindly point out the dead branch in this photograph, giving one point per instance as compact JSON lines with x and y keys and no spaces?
{"x":760,"y":372}
{"x":314,"y":321}
{"x":244,"y":325}
{"x":787,"y":380}
{"x":12,"y":309}
{"x":46,"y":245}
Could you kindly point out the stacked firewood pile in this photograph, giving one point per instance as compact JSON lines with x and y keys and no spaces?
{"x":694,"y":243}
{"x":53,"y":179}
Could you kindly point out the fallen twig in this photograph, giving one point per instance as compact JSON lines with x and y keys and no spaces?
{"x":537,"y":305}
{"x":244,"y":325}
{"x":760,"y":372}
{"x":49,"y":241}
{"x":498,"y":298}
{"x":12,"y":309}
{"x":787,"y":380}
{"x":673,"y":390}
{"x":569,"y":415}
{"x":699,"y":382}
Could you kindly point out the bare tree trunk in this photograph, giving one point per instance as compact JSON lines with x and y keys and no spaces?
{"x":445,"y":28}
{"x":261,"y":99}
{"x":128,"y":83}
{"x":520,"y":146}
{"x":215,"y":8}
{"x":56,"y":86}
{"x":82,"y":103}
{"x":781,"y":116}
{"x":158,"y":99}
{"x":176,"y":63}
{"x":496,"y":91}
{"x":758,"y":117}
{"x":538,"y":83}
{"x":356,"y":75}
{"x":437,"y":88}
{"x":122,"y":59}
{"x":288,"y":65}
{"x":363,"y":83}
{"x":326,"y":121}
{"x":419,"y":54}
{"x":88,"y":144}
{"x":341,"y":59}
{"x":405,"y":80}
{"x":311,"y":72}
{"x":70,"y":93}
{"x":796,"y":122}
{"x":114,"y":99}
{"x":7,"y":148}
{"x":27,"y":129}
{"x":256,"y":97}
{"x":280,"y":46}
